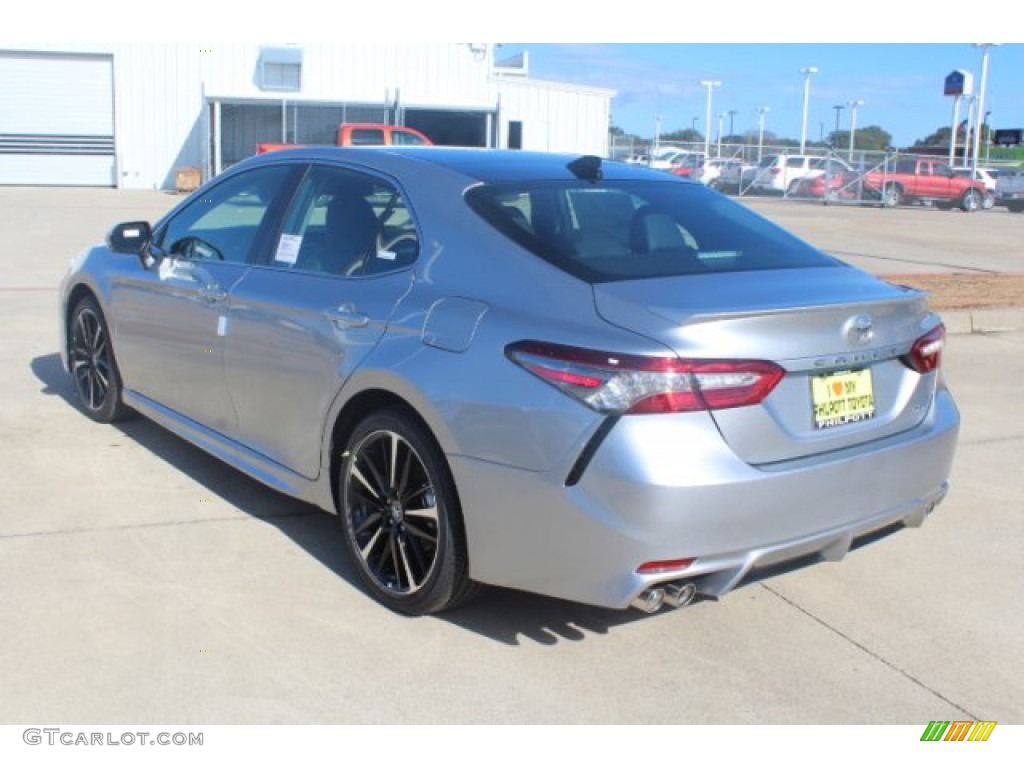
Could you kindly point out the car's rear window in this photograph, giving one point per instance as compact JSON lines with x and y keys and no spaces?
{"x":624,"y":230}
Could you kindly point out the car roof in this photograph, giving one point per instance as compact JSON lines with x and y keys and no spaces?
{"x":487,"y":165}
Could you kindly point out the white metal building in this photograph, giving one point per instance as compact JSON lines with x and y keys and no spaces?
{"x":131,"y":115}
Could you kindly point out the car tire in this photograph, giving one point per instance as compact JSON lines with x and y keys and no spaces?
{"x":93,"y":365}
{"x":401,"y":516}
{"x":970,"y":201}
{"x":892,"y":195}
{"x":988,"y":201}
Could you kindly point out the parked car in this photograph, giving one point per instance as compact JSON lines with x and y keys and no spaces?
{"x":666,"y":157}
{"x":840,"y":185}
{"x":582,"y":379}
{"x":736,"y":179}
{"x":1010,"y":189}
{"x":924,"y":180}
{"x":363,"y":135}
{"x":987,"y":176}
{"x":687,"y":165}
{"x":782,"y":173}
{"x":709,"y":172}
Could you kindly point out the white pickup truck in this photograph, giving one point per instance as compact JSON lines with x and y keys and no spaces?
{"x":1010,"y":189}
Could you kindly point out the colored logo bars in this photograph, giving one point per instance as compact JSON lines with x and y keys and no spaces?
{"x":958,"y":730}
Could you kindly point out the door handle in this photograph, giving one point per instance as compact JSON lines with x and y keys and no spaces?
{"x":347,"y":316}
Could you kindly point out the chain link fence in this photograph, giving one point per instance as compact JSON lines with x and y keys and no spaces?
{"x":827,"y":176}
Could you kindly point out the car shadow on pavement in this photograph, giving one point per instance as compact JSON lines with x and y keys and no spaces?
{"x":503,"y":615}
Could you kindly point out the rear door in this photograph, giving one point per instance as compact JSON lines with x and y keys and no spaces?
{"x":303,"y":320}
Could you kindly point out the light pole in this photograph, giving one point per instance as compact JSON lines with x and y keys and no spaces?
{"x":853,"y":122}
{"x":710,"y":85}
{"x":969,"y":101}
{"x":721,"y":117}
{"x":956,"y":128}
{"x":761,"y":112}
{"x":693,"y":125}
{"x":988,"y":137}
{"x":732,"y":114}
{"x":806,"y":72}
{"x":981,"y":104}
{"x":838,"y":108}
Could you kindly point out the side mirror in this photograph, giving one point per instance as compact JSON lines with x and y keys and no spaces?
{"x":130,"y":237}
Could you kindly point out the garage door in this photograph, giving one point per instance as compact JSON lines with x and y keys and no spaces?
{"x":56,"y":119}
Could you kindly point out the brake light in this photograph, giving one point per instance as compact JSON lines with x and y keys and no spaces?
{"x":926,"y":354}
{"x":775,"y":171}
{"x":635,"y":384}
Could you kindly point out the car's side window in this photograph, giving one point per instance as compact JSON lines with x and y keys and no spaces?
{"x":405,"y":137}
{"x":222,"y":223}
{"x":367,"y":136}
{"x":347,"y":223}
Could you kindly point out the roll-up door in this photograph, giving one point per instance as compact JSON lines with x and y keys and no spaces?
{"x":56,"y":119}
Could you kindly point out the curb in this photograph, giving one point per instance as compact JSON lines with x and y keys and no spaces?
{"x":983,"y":320}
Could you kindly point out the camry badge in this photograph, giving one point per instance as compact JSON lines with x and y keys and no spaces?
{"x":859,"y":330}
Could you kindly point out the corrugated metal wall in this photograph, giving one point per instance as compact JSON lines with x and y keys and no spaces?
{"x":556,"y":117}
{"x":426,"y":73}
{"x":162,"y":93}
{"x":159,"y":113}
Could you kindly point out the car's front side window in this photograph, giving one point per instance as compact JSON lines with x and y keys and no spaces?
{"x":406,"y":138}
{"x":343,"y":222}
{"x":223,"y":222}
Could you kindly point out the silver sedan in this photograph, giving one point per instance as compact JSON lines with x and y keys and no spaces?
{"x":578,"y":378}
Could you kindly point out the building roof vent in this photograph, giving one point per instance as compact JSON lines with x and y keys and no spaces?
{"x":280,"y":68}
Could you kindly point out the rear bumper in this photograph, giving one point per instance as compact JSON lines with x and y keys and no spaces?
{"x":667,"y":488}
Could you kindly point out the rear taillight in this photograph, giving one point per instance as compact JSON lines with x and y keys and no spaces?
{"x":775,"y":171}
{"x":613,"y":383}
{"x":926,"y":354}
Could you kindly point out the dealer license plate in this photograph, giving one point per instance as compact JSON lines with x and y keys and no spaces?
{"x":841,"y":398}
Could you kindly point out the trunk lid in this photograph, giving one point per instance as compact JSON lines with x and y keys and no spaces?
{"x":813,"y":322}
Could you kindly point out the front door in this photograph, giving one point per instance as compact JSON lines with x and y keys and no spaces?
{"x":169,"y":318}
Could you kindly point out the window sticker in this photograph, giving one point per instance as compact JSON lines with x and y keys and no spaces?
{"x":288,"y":249}
{"x":386,"y":255}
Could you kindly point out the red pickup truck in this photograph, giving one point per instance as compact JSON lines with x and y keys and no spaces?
{"x":924,"y":180}
{"x":362,"y":135}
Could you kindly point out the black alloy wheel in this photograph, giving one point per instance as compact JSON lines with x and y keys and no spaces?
{"x":92,"y":363}
{"x":401,"y":516}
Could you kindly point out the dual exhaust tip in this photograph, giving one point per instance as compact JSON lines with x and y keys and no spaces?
{"x":673,"y":595}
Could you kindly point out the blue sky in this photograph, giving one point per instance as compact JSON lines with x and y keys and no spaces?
{"x":900,"y":84}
